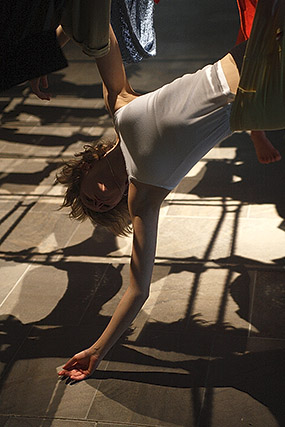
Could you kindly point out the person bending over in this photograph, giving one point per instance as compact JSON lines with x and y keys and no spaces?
{"x":161,"y":136}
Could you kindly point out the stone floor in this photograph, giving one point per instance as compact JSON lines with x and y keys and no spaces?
{"x":207,"y":348}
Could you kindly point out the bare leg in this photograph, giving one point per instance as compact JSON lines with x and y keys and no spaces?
{"x":265,"y":151}
{"x":62,"y":38}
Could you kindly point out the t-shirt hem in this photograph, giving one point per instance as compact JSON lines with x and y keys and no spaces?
{"x":165,"y":187}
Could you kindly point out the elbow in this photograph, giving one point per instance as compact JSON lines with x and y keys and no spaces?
{"x":141,"y":295}
{"x":145,"y":296}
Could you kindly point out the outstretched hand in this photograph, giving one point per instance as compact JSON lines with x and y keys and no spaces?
{"x":37,"y":84}
{"x":81,"y":365}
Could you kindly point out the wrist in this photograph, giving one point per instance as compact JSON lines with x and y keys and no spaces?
{"x":97,"y":352}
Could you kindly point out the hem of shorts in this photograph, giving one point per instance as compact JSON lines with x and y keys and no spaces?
{"x":94,"y":52}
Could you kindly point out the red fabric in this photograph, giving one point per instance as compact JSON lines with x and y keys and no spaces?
{"x":246,"y":12}
{"x":156,"y":1}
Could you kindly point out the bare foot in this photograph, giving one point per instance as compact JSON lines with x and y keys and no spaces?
{"x":265,"y":151}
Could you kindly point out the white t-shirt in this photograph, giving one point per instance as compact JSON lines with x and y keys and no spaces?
{"x":164,"y":133}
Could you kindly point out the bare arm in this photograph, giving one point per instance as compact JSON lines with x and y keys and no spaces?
{"x":144,"y":209}
{"x":116,"y":88}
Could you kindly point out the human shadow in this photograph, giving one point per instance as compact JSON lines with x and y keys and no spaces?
{"x":195,"y":337}
{"x":210,"y":356}
{"x":91,"y":285}
{"x":267,"y":298}
{"x":255,"y":184}
{"x":18,"y":180}
{"x":43,"y":140}
{"x":221,"y":356}
{"x":58,"y":85}
{"x":260,"y":375}
{"x":52,"y":114}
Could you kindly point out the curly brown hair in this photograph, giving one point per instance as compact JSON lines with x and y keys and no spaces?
{"x":116,"y":220}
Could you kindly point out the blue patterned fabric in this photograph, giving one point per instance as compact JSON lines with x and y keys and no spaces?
{"x":132,"y":22}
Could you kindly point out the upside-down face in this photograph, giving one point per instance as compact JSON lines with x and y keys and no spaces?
{"x":105,"y":182}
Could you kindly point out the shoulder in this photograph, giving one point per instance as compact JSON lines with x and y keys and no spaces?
{"x":144,"y":197}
